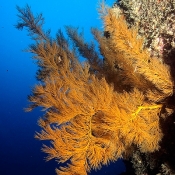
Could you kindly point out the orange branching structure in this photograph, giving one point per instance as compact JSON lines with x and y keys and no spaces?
{"x":96,"y":111}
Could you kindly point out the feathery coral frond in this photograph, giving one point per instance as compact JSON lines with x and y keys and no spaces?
{"x":130,"y":45}
{"x":93,"y":118}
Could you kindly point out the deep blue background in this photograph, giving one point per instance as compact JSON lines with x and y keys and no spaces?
{"x":19,"y":152}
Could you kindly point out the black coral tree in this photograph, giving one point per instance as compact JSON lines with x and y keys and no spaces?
{"x":96,"y":111}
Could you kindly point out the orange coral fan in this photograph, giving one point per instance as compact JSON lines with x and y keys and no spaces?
{"x":87,"y":120}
